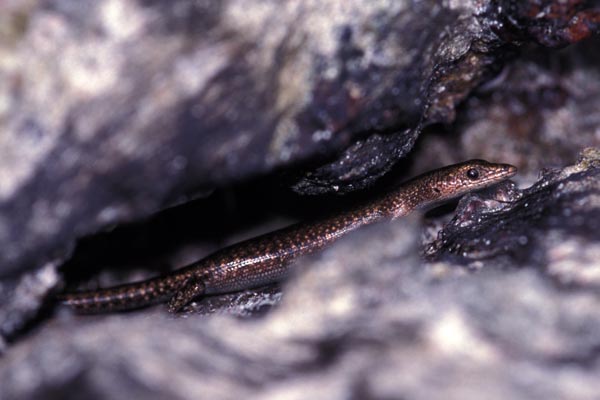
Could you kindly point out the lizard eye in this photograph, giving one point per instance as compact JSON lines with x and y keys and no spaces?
{"x":472,"y":174}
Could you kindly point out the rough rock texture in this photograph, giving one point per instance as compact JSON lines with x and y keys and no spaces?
{"x":367,"y":319}
{"x":110,"y":111}
{"x":538,"y":113}
{"x":544,"y":220}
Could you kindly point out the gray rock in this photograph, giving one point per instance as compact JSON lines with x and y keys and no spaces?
{"x":111,"y":111}
{"x":368,"y":319}
{"x":114,"y":110}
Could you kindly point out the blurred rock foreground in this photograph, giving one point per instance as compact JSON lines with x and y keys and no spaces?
{"x":112,"y":111}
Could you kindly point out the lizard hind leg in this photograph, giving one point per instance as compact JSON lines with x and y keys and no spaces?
{"x":191,"y":289}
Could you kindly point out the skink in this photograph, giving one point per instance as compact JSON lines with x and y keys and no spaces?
{"x":267,"y":258}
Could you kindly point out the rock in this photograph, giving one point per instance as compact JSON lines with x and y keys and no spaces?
{"x":531,"y":227}
{"x":113,"y":111}
{"x":367,"y":317}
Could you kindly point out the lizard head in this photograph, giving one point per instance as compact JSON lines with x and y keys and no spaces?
{"x":443,"y":184}
{"x":458,"y":179}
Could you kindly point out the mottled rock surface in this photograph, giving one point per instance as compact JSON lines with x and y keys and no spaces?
{"x":368,"y":319}
{"x":111,"y":111}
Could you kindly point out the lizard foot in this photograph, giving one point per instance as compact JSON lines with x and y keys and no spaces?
{"x":187,"y":292}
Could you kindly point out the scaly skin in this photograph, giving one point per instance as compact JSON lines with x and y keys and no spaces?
{"x":267,"y":258}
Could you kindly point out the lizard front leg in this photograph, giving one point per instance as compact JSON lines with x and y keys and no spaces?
{"x":191,"y":288}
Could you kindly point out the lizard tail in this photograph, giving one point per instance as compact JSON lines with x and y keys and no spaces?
{"x":120,"y":298}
